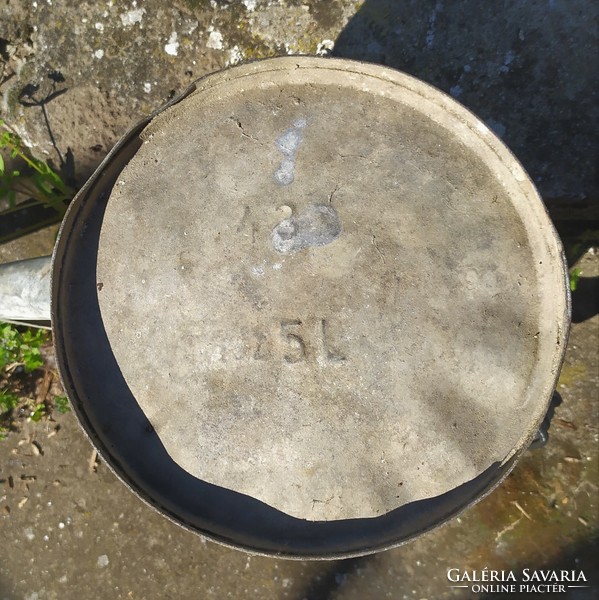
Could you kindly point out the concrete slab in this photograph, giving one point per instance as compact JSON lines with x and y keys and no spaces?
{"x":527,"y":69}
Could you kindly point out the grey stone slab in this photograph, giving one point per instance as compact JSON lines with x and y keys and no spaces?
{"x":528,"y":69}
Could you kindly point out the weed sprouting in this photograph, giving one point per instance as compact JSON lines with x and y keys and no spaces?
{"x":22,"y":376}
{"x":40,"y":183}
{"x":21,"y":348}
{"x":574,"y":277}
{"x":8,"y":401}
{"x":61,"y":404}
{"x":38,"y":412}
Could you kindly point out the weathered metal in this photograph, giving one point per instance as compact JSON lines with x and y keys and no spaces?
{"x":25,"y":290}
{"x":314,"y":308}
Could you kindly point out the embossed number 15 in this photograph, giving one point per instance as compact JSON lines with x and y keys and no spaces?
{"x":300,"y":341}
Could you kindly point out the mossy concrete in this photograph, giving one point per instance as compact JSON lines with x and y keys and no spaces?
{"x":120,"y":61}
{"x":526,"y":68}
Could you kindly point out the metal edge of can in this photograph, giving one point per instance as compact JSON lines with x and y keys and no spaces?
{"x":60,"y":249}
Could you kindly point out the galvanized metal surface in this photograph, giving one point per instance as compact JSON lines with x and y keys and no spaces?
{"x":445,"y":343}
{"x":25,"y":290}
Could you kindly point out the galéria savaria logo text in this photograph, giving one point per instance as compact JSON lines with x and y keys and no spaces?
{"x":526,"y":581}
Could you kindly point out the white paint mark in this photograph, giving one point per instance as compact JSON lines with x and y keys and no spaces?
{"x":29,"y":534}
{"x":172,"y":46}
{"x":456,"y":91}
{"x":288,"y":144}
{"x":285,"y":174}
{"x":432,"y":23}
{"x":258,"y":271}
{"x":325,"y":47}
{"x":133,"y":16}
{"x":250,"y":5}
{"x":317,"y":225}
{"x":277,"y":266}
{"x":103,"y":561}
{"x":215,"y":39}
{"x":147,"y":87}
{"x":99,"y":27}
{"x":99,"y":53}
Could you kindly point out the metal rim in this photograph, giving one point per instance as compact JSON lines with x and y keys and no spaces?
{"x":74,"y":279}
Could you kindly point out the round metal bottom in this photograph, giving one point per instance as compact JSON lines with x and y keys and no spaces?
{"x":312,"y":309}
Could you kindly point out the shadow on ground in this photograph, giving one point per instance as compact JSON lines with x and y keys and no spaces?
{"x":326,"y":585}
{"x":38,"y":190}
{"x":585,"y":300}
{"x":523,"y":67}
{"x":582,"y":557}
